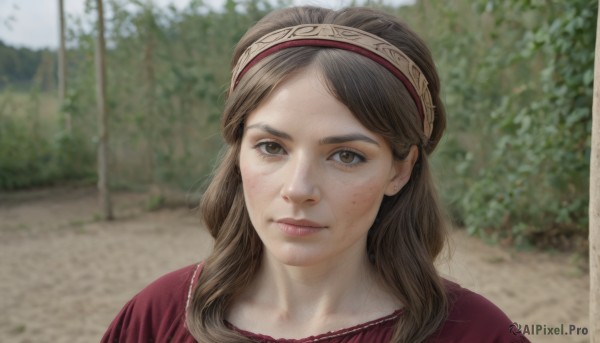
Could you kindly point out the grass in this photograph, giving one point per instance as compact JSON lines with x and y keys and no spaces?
{"x":18,"y":329}
{"x":21,"y":103}
{"x":35,"y":150}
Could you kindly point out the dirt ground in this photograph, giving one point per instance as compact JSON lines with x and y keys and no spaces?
{"x":64,"y":274}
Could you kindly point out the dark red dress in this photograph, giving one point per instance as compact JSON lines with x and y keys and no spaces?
{"x":157,"y":314}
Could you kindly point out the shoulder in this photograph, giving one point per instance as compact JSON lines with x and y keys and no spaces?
{"x":169,"y":290}
{"x":157,"y":313}
{"x":473,"y":318}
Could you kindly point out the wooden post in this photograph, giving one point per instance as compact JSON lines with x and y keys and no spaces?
{"x":62,"y":64}
{"x":595,"y":200}
{"x":103,"y":187}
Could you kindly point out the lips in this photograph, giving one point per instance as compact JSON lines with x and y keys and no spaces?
{"x":300,"y":223}
{"x":298,"y":227}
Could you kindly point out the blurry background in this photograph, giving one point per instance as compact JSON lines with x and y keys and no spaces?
{"x":517,"y":76}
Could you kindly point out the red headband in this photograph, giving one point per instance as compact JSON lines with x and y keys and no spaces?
{"x":346,"y":38}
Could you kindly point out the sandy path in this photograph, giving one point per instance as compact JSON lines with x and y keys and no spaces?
{"x":64,"y":275}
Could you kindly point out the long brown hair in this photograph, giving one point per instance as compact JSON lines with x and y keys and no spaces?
{"x":409,"y":230}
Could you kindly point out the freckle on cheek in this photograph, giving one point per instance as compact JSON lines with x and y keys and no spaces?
{"x":355,"y":199}
{"x":363,"y":197}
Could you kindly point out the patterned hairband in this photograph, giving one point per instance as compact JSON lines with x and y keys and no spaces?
{"x":346,"y":38}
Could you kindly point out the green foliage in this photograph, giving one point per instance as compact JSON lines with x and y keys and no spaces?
{"x":518,"y":88}
{"x":32,"y":151}
{"x":167,"y":72}
{"x":155,"y":202}
{"x":19,"y":66}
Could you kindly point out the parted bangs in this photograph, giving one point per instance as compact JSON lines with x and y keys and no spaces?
{"x":376,"y":97}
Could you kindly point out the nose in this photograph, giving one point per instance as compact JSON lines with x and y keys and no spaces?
{"x":301,"y":182}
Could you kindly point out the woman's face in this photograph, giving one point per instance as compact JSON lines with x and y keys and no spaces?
{"x":313,"y":175}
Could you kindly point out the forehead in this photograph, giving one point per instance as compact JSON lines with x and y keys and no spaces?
{"x":303,"y":99}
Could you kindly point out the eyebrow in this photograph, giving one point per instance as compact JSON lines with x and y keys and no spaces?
{"x":347,"y":138}
{"x":271,"y":131}
{"x":324,"y":141}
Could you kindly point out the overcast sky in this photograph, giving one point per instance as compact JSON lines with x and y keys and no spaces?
{"x":34,"y":23}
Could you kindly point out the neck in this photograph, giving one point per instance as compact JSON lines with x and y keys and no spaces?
{"x":300,"y":292}
{"x":299,"y":301}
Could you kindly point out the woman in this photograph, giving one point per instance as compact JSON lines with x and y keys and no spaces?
{"x":325,"y":218}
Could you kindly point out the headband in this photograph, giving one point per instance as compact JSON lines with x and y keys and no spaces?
{"x":346,"y":38}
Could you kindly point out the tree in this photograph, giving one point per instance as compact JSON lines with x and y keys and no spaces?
{"x":62,"y":63}
{"x":594,"y":233}
{"x":103,"y":188}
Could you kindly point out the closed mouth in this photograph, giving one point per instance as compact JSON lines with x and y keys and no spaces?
{"x":303,"y":223}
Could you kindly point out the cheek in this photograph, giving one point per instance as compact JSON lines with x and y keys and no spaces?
{"x":250,"y":182}
{"x":364,"y":199}
{"x":256,"y":185}
{"x":247,"y":171}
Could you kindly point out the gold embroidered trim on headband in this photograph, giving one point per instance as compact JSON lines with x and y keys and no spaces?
{"x":348,"y":35}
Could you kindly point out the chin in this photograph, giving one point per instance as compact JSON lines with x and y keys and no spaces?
{"x":296,"y":257}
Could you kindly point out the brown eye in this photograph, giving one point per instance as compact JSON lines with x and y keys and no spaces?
{"x":270,"y":148}
{"x":347,"y":157}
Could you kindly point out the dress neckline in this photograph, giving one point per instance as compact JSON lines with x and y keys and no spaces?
{"x":320,"y":337}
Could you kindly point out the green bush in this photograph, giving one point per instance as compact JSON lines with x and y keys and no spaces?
{"x":32,"y":151}
{"x":517,"y":78}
